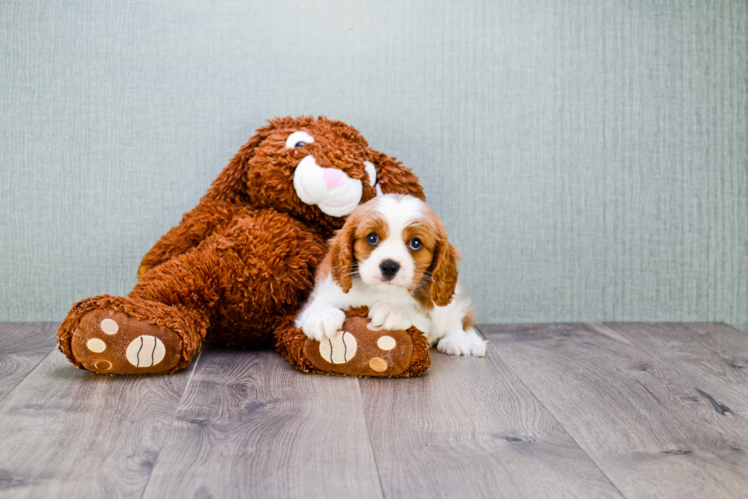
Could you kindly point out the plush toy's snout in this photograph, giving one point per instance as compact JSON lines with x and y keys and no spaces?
{"x":331,"y":189}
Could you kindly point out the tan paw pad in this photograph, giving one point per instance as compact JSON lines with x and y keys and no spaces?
{"x":145,"y":351}
{"x":96,"y":345}
{"x":378,"y":364}
{"x":103,"y":365}
{"x":109,"y":326}
{"x":386,"y":343}
{"x":339,"y":349}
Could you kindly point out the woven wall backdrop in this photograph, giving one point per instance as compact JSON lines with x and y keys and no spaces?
{"x":589,"y":158}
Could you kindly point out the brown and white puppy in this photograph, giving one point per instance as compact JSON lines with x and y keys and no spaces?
{"x":392,"y":255}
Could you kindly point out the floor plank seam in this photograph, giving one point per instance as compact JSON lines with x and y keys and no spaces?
{"x":176,"y":412}
{"x":477,"y":327}
{"x":614,"y":485}
{"x":368,"y":437}
{"x":27,"y":375}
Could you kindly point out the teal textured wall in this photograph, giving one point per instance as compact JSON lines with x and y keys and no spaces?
{"x":590,"y":159}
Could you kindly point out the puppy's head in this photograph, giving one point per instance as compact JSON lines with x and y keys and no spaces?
{"x":396,"y":241}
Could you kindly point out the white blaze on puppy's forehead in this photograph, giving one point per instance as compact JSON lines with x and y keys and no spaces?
{"x":399,"y":211}
{"x":297,"y":137}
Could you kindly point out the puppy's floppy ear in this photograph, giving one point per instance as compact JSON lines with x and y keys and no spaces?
{"x":393,"y":177}
{"x":230,"y":183}
{"x":341,"y":251}
{"x":443,"y":270}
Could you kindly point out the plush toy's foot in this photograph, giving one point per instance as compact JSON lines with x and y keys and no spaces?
{"x":357,"y":350}
{"x":118,"y":335}
{"x":107,"y":341}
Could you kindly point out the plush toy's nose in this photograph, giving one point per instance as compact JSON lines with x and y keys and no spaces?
{"x":334,"y":177}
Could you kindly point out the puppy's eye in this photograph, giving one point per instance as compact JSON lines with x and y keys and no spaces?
{"x":372,"y":239}
{"x":298,"y":139}
{"x":415,"y":244}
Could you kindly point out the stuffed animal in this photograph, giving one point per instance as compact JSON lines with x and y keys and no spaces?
{"x":242,"y":262}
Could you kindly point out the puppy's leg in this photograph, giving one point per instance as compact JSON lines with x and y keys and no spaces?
{"x":389,"y":317}
{"x":453,"y":325}
{"x":321,"y":320}
{"x":463,"y":343}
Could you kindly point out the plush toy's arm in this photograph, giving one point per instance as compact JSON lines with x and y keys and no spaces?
{"x":196,"y":224}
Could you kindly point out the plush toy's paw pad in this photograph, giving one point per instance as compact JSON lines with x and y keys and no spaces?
{"x":112,"y":342}
{"x":359,"y":349}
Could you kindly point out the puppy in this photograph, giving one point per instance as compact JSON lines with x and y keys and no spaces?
{"x":392,"y":255}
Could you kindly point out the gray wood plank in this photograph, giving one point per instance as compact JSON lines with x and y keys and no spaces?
{"x":22,"y":347}
{"x":67,"y":433}
{"x":652,"y":434}
{"x":712,"y":357}
{"x":470,"y":428}
{"x":252,"y":426}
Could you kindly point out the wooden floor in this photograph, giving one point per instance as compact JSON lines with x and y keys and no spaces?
{"x":555,"y":410}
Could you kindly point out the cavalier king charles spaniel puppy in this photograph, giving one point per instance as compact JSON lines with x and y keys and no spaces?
{"x":392,"y":255}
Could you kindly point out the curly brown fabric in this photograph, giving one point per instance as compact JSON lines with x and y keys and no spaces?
{"x":239,"y":265}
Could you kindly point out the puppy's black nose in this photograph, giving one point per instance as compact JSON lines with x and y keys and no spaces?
{"x":389,"y":269}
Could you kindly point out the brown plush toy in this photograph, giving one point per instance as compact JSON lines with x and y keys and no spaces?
{"x":241,"y":264}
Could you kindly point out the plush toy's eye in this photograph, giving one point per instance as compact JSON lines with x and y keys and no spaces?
{"x":372,"y":239}
{"x":298,"y":139}
{"x":372,"y":171}
{"x":415,"y":244}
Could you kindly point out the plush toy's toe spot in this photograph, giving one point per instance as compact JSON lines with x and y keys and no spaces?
{"x":339,"y":349}
{"x":372,"y":328}
{"x":386,"y":343}
{"x":96,"y":345}
{"x":109,"y":326}
{"x":378,"y":364}
{"x":145,"y":351}
{"x":103,"y":365}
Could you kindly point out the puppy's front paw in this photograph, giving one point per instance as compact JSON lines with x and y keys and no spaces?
{"x":478,"y":349}
{"x":462,"y":344}
{"x":453,"y":346}
{"x":323,"y":323}
{"x":389,"y":317}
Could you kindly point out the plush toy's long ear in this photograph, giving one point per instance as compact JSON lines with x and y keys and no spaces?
{"x":341,"y":250}
{"x":443,"y":271}
{"x":393,"y":177}
{"x":230,"y":183}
